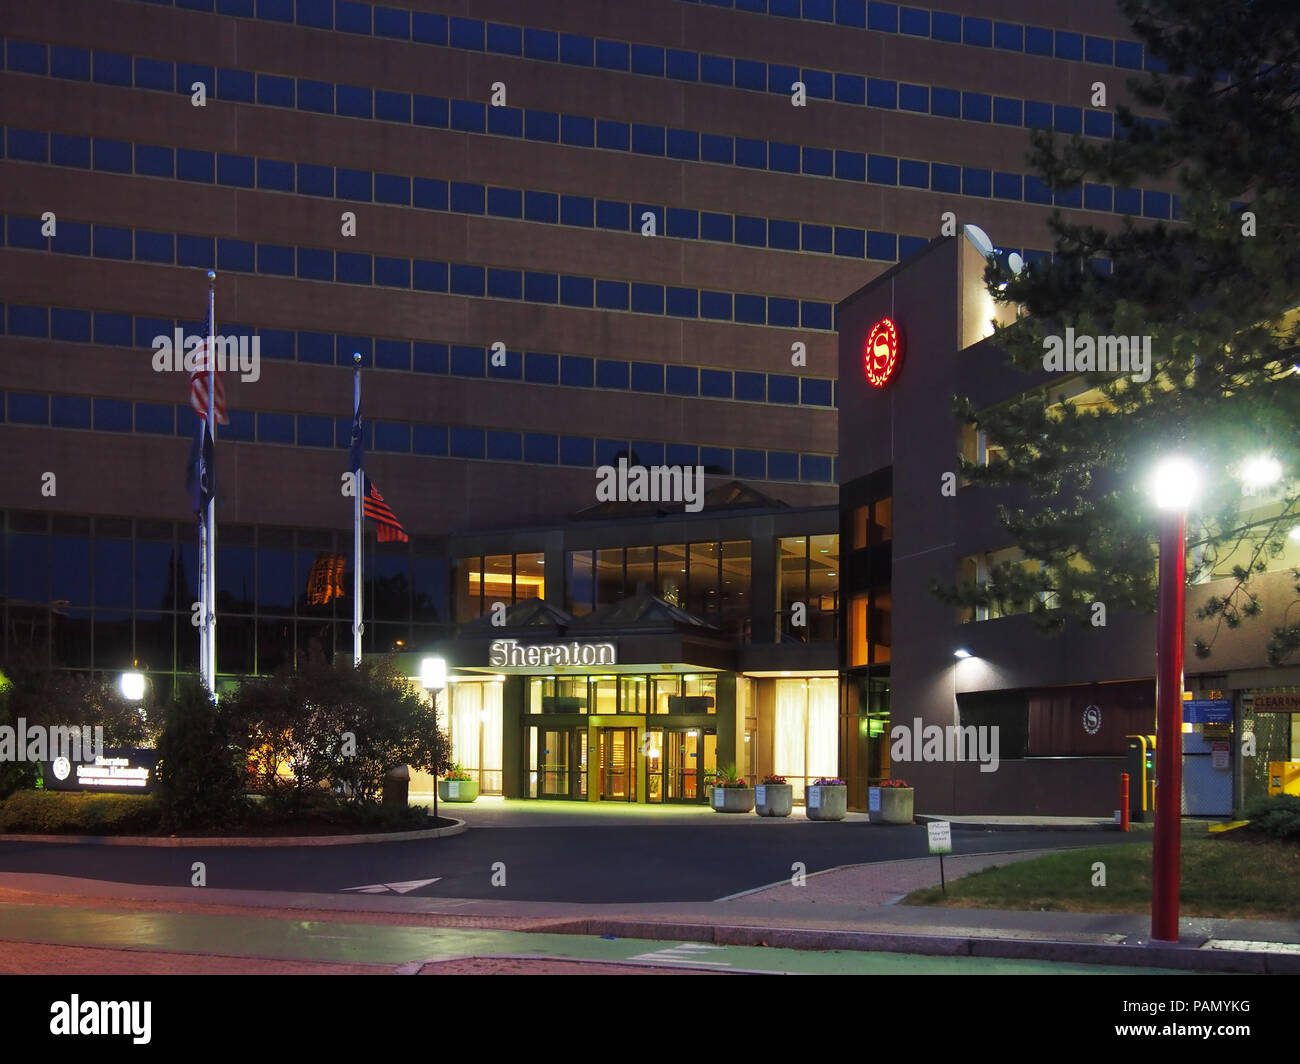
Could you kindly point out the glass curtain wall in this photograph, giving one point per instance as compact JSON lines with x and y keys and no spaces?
{"x":805,"y":742}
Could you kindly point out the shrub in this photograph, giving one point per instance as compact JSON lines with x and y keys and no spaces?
{"x":57,"y":812}
{"x":200,"y":778}
{"x":1278,"y":816}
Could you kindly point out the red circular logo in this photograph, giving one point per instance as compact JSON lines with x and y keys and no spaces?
{"x":880,"y":356}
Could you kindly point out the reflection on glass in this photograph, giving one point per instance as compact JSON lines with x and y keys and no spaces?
{"x":609,"y":576}
{"x":579,"y":582}
{"x":640,"y":570}
{"x":530,"y":576}
{"x":604,"y":693}
{"x":663,"y":688}
{"x":654,"y":765}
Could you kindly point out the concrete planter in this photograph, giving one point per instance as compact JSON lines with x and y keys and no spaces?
{"x":773,"y":799}
{"x":733,"y":799}
{"x":826,"y":802}
{"x":457,"y":790}
{"x":895,"y":805}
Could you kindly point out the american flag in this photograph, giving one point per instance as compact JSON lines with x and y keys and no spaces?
{"x":390,"y":528}
{"x":199,"y":383}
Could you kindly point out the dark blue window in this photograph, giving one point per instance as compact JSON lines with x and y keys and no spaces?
{"x":751,"y":310}
{"x":945,"y":102}
{"x":29,"y":409}
{"x":976,"y":182}
{"x":1009,"y":37}
{"x":647,"y":59}
{"x":69,"y":412}
{"x":612,"y":135}
{"x":276,"y":343}
{"x":315,"y":96}
{"x":882,"y":169}
{"x":714,"y":69}
{"x":235,"y":255}
{"x":26,"y":233}
{"x":392,"y":106}
{"x":683,"y":144}
{"x":429,"y":111}
{"x":1069,"y":45}
{"x":505,"y":202}
{"x":682,"y":302}
{"x":914,"y":21}
{"x":389,"y":188}
{"x":466,"y":443}
{"x":977,"y":106}
{"x":751,"y":465}
{"x":715,"y":383}
{"x":278,"y":428}
{"x":576,"y":451}
{"x":429,"y":276}
{"x":945,"y":178}
{"x":647,"y":377}
{"x":315,"y":180}
{"x":1155,"y":204}
{"x":1038,"y":41}
{"x":612,"y":55}
{"x":541,"y":287}
{"x":112,"y":329}
{"x":235,"y":85}
{"x":816,"y":315}
{"x":72,"y":325}
{"x":818,"y":162}
{"x":466,"y":33}
{"x":1036,"y":191}
{"x":429,"y":358}
{"x":783,"y":235}
{"x":468,"y":116}
{"x":914,"y":98}
{"x":504,"y":446}
{"x":154,"y":247}
{"x":541,"y":447}
{"x":1069,"y":119}
{"x":429,"y":193}
{"x":392,"y":354}
{"x":784,"y":157}
{"x":317,"y":348}
{"x":977,"y":31}
{"x":274,"y":91}
{"x":272,"y":258}
{"x":883,"y":17}
{"x":611,"y":215}
{"x":466,"y":280}
{"x":73,"y":239}
{"x":194,"y":251}
{"x":576,"y":50}
{"x":850,"y":243}
{"x":780,"y":78}
{"x":611,"y":374}
{"x":751,"y":387}
{"x":25,"y":57}
{"x":275,"y":10}
{"x":505,"y":284}
{"x":819,"y":10}
{"x":647,"y":140}
{"x":541,"y":368}
{"x":467,"y":199}
{"x":782,"y":312}
{"x":113,"y":156}
{"x":235,"y":170}
{"x":682,"y":454}
{"x":815,"y":392}
{"x":194,"y":165}
{"x":74,"y":63}
{"x":882,"y":93}
{"x":715,"y":306}
{"x":392,"y":273}
{"x":751,"y":75}
{"x":851,"y":13}
{"x":579,"y":130}
{"x":751,"y":232}
{"x":1097,"y":197}
{"x":270,"y":174}
{"x":855,"y":89}
{"x":542,"y":44}
{"x":577,"y":372}
{"x":353,"y":268}
{"x":782,"y":389}
{"x":1006,"y":186}
{"x":1099,"y":50}
{"x":682,"y":66}
{"x":683,"y":223}
{"x":70,"y":151}
{"x":1007,"y":112}
{"x":28,"y":145}
{"x":154,"y":74}
{"x":752,"y":153}
{"x":816,"y":238}
{"x":781,"y":465}
{"x":815,"y":468}
{"x":316,"y":13}
{"x":188,"y":74}
{"x":612,"y":295}
{"x":715,"y":148}
{"x":315,"y":264}
{"x":466,"y":361}
{"x":352,"y":17}
{"x":850,"y":165}
{"x":113,"y":69}
{"x":542,"y":125}
{"x":354,"y":101}
{"x":114,"y":415}
{"x":1038,"y":115}
{"x":647,"y":298}
{"x":1098,"y":124}
{"x":390,"y":22}
{"x":1128,"y":54}
{"x":315,"y":431}
{"x":945,"y":27}
{"x":715,"y":226}
{"x":818,"y":83}
{"x":882,"y":246}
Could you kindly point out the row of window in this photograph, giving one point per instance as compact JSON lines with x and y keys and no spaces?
{"x":401,"y":437}
{"x":725,"y":71}
{"x":471,"y":116}
{"x":583,"y":212}
{"x":458,"y":360}
{"x":423,"y":275}
{"x":939,"y":26}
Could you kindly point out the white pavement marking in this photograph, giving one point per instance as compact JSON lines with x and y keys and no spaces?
{"x":404,"y":887}
{"x":683,"y":953}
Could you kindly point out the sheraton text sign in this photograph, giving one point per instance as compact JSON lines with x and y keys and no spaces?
{"x":508,"y":652}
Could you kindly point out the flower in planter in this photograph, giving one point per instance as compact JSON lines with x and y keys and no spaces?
{"x":456,"y":774}
{"x":894,"y":783}
{"x":773,"y":780}
{"x":828,"y":783}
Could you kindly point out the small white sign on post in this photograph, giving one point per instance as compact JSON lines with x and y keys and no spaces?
{"x":814,"y":798}
{"x":873,"y":799}
{"x":760,"y":794}
{"x":940,"y":832}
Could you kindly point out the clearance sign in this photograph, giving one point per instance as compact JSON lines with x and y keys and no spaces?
{"x":881,"y":355}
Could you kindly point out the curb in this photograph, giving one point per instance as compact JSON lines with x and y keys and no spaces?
{"x":1189,"y":957}
{"x":963,"y":825}
{"x":173,"y":841}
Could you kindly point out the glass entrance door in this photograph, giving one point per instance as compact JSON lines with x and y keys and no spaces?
{"x":682,"y":774}
{"x":618,"y":764}
{"x":561,"y":762}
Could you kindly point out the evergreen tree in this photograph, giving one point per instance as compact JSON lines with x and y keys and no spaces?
{"x":1216,"y":292}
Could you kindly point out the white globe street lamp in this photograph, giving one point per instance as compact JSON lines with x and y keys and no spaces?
{"x":132,"y":685}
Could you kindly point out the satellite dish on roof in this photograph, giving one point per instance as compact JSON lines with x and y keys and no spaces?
{"x":1015,"y":262}
{"x":979,"y":238}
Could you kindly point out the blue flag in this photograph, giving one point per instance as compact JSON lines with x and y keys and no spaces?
{"x":354,"y":453}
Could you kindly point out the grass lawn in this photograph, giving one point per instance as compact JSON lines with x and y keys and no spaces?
{"x":1225,"y":875}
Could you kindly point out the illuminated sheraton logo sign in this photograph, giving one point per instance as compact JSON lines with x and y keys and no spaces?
{"x":508,"y":652}
{"x":881,"y":354}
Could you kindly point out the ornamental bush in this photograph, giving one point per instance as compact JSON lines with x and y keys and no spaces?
{"x":1278,"y":816}
{"x":200,"y":772}
{"x":56,"y":812}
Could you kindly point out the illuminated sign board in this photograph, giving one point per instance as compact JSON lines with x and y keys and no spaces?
{"x":118,"y":770}
{"x":507,"y":652}
{"x":881,"y":354}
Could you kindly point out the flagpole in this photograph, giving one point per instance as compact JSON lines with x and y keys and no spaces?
{"x":357,"y":541}
{"x":210,"y":605}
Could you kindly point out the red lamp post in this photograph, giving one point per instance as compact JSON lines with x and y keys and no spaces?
{"x":1175,"y":484}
